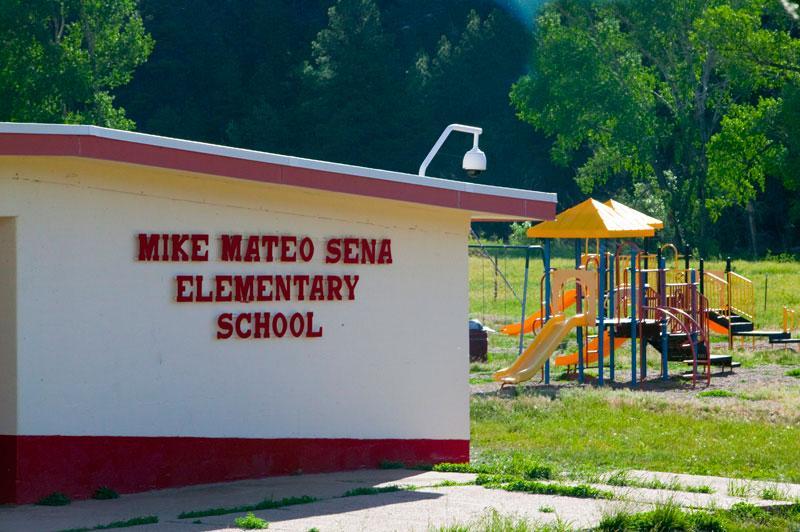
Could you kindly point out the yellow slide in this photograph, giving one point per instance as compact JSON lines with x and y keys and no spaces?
{"x":533,"y":358}
{"x":591,"y":357}
{"x":536,"y":317}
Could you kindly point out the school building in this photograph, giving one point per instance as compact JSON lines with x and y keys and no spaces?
{"x":175,"y":313}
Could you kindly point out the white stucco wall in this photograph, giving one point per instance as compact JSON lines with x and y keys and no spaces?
{"x":103,"y":349}
{"x":8,"y":326}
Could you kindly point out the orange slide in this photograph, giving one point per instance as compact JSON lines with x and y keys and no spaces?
{"x":717,"y":328}
{"x":536,"y":317}
{"x":591,"y":356}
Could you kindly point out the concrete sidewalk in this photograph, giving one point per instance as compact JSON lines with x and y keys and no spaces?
{"x":429,"y":505}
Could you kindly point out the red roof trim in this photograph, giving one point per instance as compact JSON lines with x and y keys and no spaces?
{"x":123,"y":151}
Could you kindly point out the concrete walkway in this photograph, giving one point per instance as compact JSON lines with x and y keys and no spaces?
{"x":429,"y":505}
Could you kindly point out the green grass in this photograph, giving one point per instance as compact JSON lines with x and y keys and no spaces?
{"x":504,"y":307}
{"x":135,"y":521}
{"x":511,"y":483}
{"x":250,"y":522}
{"x":54,"y":499}
{"x":793,"y":373}
{"x":623,"y":478}
{"x":601,"y":430}
{"x":494,"y":521}
{"x":773,"y":493}
{"x":105,"y":493}
{"x":372,"y":490}
{"x":513,"y":464}
{"x":669,"y":517}
{"x":716,"y":393}
{"x":266,"y":504}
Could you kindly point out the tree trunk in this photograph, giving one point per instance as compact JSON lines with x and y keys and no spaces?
{"x":751,"y":222}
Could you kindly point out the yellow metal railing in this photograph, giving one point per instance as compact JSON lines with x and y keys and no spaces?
{"x":789,"y":320}
{"x":716,"y":290}
{"x":742,"y":296}
{"x":729,"y":291}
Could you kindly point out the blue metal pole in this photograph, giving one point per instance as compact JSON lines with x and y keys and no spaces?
{"x":547,"y":298}
{"x":524,"y":299}
{"x":579,"y":309}
{"x":611,"y":286}
{"x":643,"y":339}
{"x":662,"y":290}
{"x":633,"y":317}
{"x":601,"y":292}
{"x":693,"y":291}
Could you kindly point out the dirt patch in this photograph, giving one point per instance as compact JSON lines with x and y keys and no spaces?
{"x":763,"y":392}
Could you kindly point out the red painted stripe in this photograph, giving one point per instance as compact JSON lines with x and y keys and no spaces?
{"x":92,"y":147}
{"x":78,"y":465}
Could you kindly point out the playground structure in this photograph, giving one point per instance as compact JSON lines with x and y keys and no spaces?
{"x":619,"y":296}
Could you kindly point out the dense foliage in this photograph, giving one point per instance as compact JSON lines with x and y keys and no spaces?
{"x":685,"y":104}
{"x":687,"y":109}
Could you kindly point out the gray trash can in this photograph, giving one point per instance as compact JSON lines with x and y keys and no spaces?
{"x":478,"y":342}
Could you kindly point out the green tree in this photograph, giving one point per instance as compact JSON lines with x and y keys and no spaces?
{"x":351,"y":85}
{"x":633,"y":91}
{"x":61,"y":60}
{"x":758,"y":139}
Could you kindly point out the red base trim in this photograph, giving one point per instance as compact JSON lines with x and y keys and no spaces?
{"x":34,"y":466}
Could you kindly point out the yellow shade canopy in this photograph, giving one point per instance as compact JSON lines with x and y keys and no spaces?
{"x":633,"y":214}
{"x":591,"y":219}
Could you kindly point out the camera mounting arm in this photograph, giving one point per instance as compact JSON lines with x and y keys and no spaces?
{"x":476,"y":132}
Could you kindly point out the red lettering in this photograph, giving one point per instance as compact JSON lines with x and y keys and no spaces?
{"x":231,"y":248}
{"x":334,"y":251}
{"x":279,"y":327}
{"x":317,"y":289}
{"x":282,"y":289}
{"x":385,"y":254}
{"x":306,"y":249}
{"x":165,"y":247}
{"x":223,"y":292}
{"x":310,"y":332}
{"x":241,"y":319}
{"x":181,"y":295}
{"x":350,"y":245}
{"x":224,"y":326}
{"x":252,"y":253}
{"x":243,"y":288}
{"x":271,"y":242}
{"x":334,"y":288}
{"x":148,"y":247}
{"x":261,"y":288}
{"x":297,"y":324}
{"x":200,"y":248}
{"x":301,"y":282}
{"x":367,"y":251}
{"x":198,"y":293}
{"x":289,"y":249}
{"x":261,"y":325}
{"x":351,"y":281}
{"x":178,"y":253}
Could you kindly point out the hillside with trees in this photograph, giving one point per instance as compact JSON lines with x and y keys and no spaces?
{"x":687,"y":109}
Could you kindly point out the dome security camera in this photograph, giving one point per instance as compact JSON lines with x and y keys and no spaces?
{"x":474,"y":162}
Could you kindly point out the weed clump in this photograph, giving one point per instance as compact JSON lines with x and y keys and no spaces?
{"x":250,"y":522}
{"x":668,"y":516}
{"x":266,"y":504}
{"x":371,"y":490}
{"x":716,"y":393}
{"x":54,"y":499}
{"x":104,"y":493}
